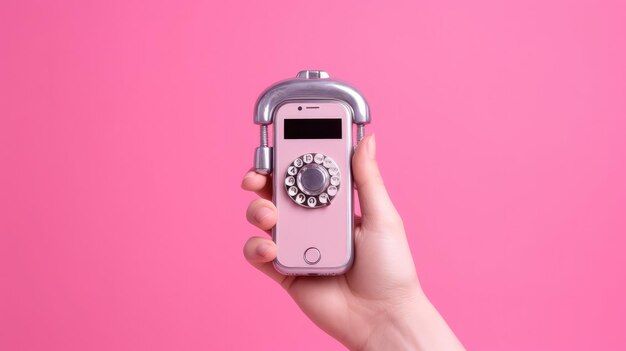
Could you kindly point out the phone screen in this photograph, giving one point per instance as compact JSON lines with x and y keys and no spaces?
{"x":309,"y":128}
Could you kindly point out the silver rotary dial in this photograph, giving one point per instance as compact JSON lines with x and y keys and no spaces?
{"x":312,"y":180}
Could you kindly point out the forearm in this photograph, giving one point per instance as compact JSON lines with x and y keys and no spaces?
{"x":416,"y":326}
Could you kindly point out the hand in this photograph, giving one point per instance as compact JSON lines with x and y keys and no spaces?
{"x":378,"y":303}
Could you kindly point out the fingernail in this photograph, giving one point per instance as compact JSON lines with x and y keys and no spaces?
{"x":262,"y":213}
{"x":371,"y":147}
{"x":263,"y":249}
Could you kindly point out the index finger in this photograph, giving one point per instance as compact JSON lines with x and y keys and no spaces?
{"x":259,"y":183}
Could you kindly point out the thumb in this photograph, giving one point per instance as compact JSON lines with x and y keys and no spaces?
{"x":376,"y":206}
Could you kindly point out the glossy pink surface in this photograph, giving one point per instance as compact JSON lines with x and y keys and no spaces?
{"x":126,"y":126}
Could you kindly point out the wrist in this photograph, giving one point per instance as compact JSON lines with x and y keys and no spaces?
{"x":412,"y":325}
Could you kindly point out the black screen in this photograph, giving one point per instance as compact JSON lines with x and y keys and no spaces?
{"x":318,"y":128}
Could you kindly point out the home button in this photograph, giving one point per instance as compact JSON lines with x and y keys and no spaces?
{"x":312,"y":255}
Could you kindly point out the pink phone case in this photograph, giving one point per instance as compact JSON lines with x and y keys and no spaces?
{"x":313,"y":240}
{"x":313,"y":119}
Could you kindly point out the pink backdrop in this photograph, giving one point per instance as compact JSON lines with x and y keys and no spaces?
{"x":126,"y":126}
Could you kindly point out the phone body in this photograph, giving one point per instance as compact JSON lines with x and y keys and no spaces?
{"x":313,"y":120}
{"x":313,"y":236}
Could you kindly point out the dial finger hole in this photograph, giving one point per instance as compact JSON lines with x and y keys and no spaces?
{"x":323,"y":198}
{"x":300,"y":198}
{"x":292,"y":191}
{"x":332,"y":190}
{"x":328,"y":162}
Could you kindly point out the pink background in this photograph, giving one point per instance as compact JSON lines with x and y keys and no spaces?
{"x":126,"y":126}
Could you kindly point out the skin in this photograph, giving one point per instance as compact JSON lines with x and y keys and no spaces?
{"x":379,"y":303}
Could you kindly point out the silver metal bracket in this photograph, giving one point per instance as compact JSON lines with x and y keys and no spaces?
{"x":308,"y":85}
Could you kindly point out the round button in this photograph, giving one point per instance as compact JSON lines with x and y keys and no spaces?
{"x":308,"y":158}
{"x":312,"y":255}
{"x":290,"y":181}
{"x":313,"y":179}
{"x":328,"y":162}
{"x":332,"y":190}
{"x":300,"y":198}
{"x":292,"y":191}
{"x":311,"y":202}
{"x":318,"y":158}
{"x":323,"y":198}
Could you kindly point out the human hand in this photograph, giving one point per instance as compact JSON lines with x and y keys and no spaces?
{"x":378,"y":303}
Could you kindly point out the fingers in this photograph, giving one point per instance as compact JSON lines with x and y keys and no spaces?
{"x":260,"y":252}
{"x":376,"y":206}
{"x":262,"y":213}
{"x":260,"y":184}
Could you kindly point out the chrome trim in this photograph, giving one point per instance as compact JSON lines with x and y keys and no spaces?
{"x":310,"y":85}
{"x":263,"y":159}
{"x":324,"y":173}
{"x":312,"y":74}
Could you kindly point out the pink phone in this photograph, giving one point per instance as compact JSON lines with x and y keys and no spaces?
{"x":313,"y":119}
